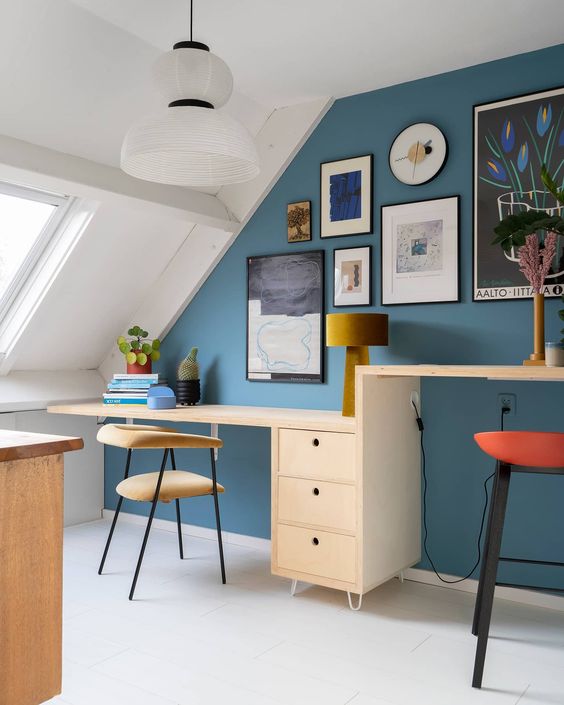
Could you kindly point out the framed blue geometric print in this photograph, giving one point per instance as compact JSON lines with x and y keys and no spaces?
{"x":346,"y":197}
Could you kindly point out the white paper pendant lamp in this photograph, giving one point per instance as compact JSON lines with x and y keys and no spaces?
{"x":190,"y":143}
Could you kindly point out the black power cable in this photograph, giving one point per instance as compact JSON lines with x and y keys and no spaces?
{"x":421,"y":427}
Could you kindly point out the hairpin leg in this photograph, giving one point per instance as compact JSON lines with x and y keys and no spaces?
{"x":355,"y":609}
{"x":214,"y":432}
{"x":401,"y":576}
{"x":293,"y":587}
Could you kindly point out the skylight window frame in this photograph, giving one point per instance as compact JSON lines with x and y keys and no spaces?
{"x":42,"y":243}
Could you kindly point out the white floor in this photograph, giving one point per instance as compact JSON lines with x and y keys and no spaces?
{"x":188,"y":640}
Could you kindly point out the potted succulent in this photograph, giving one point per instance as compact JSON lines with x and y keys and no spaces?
{"x":139,"y":353}
{"x":188,"y":380}
{"x":526,"y":231}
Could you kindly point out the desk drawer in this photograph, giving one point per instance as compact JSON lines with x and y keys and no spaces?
{"x":316,"y":502}
{"x":325,"y":455}
{"x":317,"y":553}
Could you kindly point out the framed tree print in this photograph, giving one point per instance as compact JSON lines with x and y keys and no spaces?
{"x":512,"y":139}
{"x":285,"y":317}
{"x":352,"y":284}
{"x":420,"y":258}
{"x":346,"y":197}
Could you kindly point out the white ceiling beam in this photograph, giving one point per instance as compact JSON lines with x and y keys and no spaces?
{"x":22,"y":162}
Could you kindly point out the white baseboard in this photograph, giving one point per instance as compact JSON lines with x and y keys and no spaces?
{"x":200,"y":532}
{"x":417,"y":575}
{"x":525,"y":597}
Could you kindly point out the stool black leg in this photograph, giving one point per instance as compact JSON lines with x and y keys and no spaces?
{"x":490,"y":570}
{"x":478,"y":605}
{"x":178,"y":519}
{"x":116,"y":514}
{"x":217,"y":519}
{"x":149,"y":522}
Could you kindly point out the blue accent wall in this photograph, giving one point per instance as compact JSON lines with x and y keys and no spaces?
{"x":472,"y":333}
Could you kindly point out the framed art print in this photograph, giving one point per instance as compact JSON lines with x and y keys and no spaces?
{"x":420,"y":252}
{"x":299,"y":221}
{"x":346,"y":197}
{"x":512,"y":139}
{"x":285,"y":317}
{"x":352,"y":284}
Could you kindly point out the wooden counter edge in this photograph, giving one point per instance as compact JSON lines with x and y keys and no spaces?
{"x":19,"y":445}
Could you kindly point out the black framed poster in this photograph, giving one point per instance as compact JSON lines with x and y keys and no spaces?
{"x":285,"y":317}
{"x":512,"y":139}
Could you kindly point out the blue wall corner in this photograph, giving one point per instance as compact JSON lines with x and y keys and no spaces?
{"x":472,"y":333}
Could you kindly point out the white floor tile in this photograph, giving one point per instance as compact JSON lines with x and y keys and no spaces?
{"x":189,"y":640}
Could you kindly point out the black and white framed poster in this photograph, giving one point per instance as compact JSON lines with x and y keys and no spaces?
{"x":420,"y":259}
{"x":346,"y":196}
{"x":285,"y":317}
{"x":512,"y":139}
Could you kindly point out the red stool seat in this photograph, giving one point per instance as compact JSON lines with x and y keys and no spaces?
{"x":536,"y":449}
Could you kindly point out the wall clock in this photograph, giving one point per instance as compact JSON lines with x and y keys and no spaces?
{"x":418,"y":154}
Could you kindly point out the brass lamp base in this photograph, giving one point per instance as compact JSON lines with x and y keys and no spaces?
{"x":356,"y":355}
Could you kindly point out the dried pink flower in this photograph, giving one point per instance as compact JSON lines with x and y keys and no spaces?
{"x":535,"y":262}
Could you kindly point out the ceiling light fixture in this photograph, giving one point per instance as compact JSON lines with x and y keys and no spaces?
{"x":191,"y":143}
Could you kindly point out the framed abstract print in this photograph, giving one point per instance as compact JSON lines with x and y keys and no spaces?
{"x":285,"y":317}
{"x":512,"y":139}
{"x":299,"y":221}
{"x":352,"y":284}
{"x":420,"y":258}
{"x":346,"y":197}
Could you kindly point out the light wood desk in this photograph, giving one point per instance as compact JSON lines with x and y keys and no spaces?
{"x":346,"y":504}
{"x":31,"y":547}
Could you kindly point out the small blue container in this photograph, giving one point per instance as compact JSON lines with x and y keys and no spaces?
{"x":161,"y":398}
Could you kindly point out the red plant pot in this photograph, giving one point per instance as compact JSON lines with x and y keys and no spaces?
{"x":137,"y":369}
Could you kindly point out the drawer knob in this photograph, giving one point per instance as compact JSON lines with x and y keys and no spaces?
{"x":315,"y":442}
{"x":315,"y":491}
{"x":315,"y":541}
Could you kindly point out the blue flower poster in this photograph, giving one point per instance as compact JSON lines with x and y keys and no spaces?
{"x":346,"y":197}
{"x":512,"y":139}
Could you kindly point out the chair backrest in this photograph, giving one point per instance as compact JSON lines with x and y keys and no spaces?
{"x":131,"y":436}
{"x":535,"y":449}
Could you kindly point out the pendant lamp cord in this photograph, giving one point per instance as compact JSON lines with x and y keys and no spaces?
{"x":191,"y":17}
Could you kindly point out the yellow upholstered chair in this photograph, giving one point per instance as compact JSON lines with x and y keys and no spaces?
{"x":164,"y":485}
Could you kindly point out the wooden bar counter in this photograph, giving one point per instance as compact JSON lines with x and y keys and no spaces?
{"x":31,"y":544}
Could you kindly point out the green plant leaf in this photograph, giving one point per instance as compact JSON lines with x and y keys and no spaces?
{"x":146,"y":348}
{"x":135,"y":330}
{"x":131,"y":358}
{"x":551,"y":184}
{"x":156,"y":344}
{"x":141,"y":358}
{"x":155,"y":355}
{"x":513,"y":230}
{"x":144,"y":334}
{"x":130,"y":331}
{"x":135,"y":344}
{"x":125,"y":347}
{"x":561,"y":314}
{"x":120,"y":340}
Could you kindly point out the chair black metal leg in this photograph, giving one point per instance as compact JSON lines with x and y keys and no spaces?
{"x":178,"y":519}
{"x":116,"y":514}
{"x":149,"y":522}
{"x":490,"y":570}
{"x":478,"y":605}
{"x":217,"y":519}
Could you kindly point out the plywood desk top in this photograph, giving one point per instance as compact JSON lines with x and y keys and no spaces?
{"x":267,"y":417}
{"x":17,"y":445}
{"x":501,"y":372}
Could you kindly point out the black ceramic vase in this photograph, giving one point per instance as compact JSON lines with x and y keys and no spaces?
{"x":187,"y":391}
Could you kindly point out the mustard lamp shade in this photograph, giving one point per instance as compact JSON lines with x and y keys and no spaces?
{"x":356,"y":331}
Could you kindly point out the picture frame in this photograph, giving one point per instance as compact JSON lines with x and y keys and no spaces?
{"x":352,"y":276}
{"x":286,"y":317}
{"x":299,"y":221}
{"x":346,"y":196}
{"x":512,"y":137}
{"x":420,"y":260}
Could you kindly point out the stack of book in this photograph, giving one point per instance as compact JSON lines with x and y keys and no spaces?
{"x":130,"y":389}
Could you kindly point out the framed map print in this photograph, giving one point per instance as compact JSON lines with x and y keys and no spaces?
{"x":346,"y":197}
{"x":420,"y":259}
{"x":285,"y":317}
{"x":512,"y":139}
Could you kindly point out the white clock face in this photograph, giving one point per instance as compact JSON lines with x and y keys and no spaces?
{"x":418,"y":153}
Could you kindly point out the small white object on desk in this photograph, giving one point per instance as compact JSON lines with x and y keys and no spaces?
{"x":554,"y":354}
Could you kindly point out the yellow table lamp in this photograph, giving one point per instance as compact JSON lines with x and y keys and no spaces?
{"x":357,"y":331}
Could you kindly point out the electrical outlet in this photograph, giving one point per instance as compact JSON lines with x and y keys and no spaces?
{"x":508,"y":401}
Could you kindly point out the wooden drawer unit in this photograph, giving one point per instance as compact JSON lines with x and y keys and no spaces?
{"x":327,"y":504}
{"x":318,"y":553}
{"x":317,"y":454}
